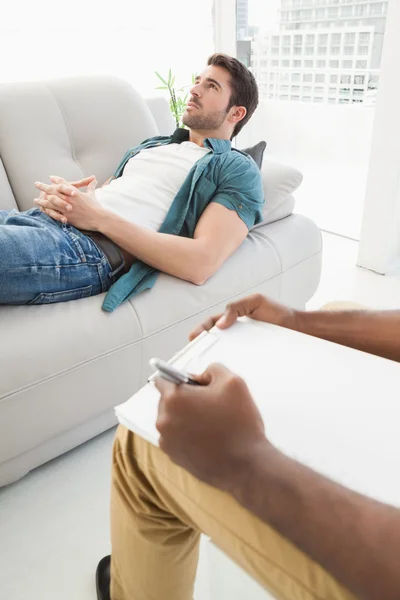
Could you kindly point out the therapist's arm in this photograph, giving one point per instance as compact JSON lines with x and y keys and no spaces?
{"x":354,"y":538}
{"x":376,"y":332}
{"x":215,"y":431}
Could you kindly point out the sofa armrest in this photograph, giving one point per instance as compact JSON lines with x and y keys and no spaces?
{"x":159,"y":108}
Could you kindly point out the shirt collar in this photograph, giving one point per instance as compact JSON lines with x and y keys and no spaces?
{"x":216,"y":145}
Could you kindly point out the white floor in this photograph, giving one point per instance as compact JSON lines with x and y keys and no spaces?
{"x":54,"y":522}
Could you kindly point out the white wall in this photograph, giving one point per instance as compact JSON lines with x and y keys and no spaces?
{"x":127,"y":38}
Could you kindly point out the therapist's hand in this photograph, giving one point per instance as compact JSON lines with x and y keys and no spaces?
{"x":257,"y":307}
{"x":212,"y":430}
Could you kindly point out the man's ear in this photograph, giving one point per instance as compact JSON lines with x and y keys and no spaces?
{"x":237,"y":113}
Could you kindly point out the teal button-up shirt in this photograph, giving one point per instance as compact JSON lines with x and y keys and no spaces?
{"x":224,"y":175}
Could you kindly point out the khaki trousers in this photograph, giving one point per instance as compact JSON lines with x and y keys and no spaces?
{"x":158,"y":511}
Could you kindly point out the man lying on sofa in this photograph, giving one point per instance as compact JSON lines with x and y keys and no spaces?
{"x":180,"y":204}
{"x":299,"y":534}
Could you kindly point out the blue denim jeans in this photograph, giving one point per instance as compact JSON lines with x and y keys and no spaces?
{"x":43,"y":261}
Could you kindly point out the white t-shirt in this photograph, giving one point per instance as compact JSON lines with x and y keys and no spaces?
{"x":150,"y":181}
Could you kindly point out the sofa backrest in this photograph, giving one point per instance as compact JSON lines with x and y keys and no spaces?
{"x":69,"y":127}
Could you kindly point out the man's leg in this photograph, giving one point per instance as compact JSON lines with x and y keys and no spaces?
{"x":157,"y":513}
{"x":43,"y":261}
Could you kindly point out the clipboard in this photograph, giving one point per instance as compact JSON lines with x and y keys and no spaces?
{"x":323,"y":404}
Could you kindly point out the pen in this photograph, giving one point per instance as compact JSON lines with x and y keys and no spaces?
{"x":171,"y":373}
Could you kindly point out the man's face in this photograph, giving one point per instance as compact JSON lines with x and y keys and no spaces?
{"x":207,"y":108}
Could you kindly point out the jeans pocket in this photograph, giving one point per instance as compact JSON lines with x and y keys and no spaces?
{"x":65,"y":296}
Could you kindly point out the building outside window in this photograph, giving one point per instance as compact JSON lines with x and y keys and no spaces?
{"x":336,"y":51}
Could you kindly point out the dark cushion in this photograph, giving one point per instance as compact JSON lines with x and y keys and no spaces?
{"x":256,"y":152}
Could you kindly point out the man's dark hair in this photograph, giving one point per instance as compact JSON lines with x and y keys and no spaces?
{"x":243,"y":85}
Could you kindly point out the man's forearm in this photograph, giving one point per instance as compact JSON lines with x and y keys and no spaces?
{"x":179,"y":256}
{"x":374,"y":332}
{"x":354,"y":538}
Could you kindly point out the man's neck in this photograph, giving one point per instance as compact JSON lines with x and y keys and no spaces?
{"x":198,"y":137}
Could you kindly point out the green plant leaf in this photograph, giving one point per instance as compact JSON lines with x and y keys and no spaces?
{"x":161,"y":87}
{"x":160,"y":78}
{"x":169,"y":77}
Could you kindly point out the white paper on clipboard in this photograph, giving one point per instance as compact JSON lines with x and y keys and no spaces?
{"x":139,"y":413}
{"x":321,"y":403}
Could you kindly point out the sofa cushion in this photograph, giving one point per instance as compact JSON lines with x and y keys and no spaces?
{"x":280,"y":182}
{"x":70,"y":127}
{"x":256,"y":152}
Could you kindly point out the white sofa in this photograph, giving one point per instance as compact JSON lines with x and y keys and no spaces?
{"x":64,"y":366}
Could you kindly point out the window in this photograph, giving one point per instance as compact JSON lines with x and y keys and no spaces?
{"x":332,"y":54}
{"x":364,"y":38}
{"x":350,"y":38}
{"x":360,"y":11}
{"x":376,"y":9}
{"x":347,"y":11}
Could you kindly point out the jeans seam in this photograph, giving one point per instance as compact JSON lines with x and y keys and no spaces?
{"x":76,"y":242}
{"x":101,"y":269}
